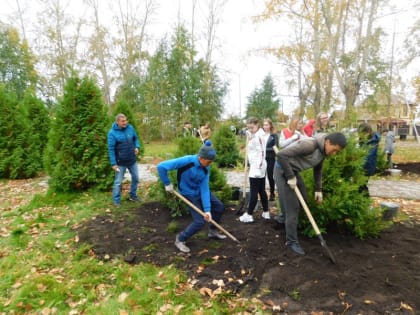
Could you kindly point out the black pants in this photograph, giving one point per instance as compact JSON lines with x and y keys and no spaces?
{"x":257,"y":187}
{"x":270,"y":174}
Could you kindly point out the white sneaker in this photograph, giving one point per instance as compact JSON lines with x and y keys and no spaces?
{"x":266,"y":215}
{"x":181,"y":245}
{"x":246,"y":218}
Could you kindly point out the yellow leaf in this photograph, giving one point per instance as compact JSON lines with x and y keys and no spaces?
{"x":405,"y":306}
{"x":123,"y":312}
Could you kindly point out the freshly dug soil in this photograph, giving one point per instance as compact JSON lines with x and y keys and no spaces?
{"x":375,"y":276}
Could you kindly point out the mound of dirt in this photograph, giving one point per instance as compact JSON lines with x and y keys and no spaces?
{"x":376,"y":276}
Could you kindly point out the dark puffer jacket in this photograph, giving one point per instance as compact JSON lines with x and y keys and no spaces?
{"x":121,"y":145}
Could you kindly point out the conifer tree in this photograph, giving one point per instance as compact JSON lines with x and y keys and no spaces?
{"x":77,"y":157}
{"x":9,"y":129}
{"x":30,"y":142}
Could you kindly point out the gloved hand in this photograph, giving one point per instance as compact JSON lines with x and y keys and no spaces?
{"x":318,"y":196}
{"x":208,"y":216}
{"x":292,"y":183}
{"x":276,"y":149}
{"x":169,"y":188}
{"x":386,"y":152}
{"x":295,"y":137}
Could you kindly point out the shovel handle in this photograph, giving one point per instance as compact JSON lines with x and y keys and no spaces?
{"x":313,"y":223}
{"x":189,"y":203}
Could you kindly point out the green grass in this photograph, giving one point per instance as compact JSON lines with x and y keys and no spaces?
{"x":45,"y":270}
{"x":160,"y":149}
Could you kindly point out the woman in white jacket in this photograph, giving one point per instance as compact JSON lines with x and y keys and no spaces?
{"x":257,"y":169}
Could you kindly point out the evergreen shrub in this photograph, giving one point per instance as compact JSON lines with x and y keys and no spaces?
{"x":345,"y":206}
{"x":224,"y":141}
{"x":76,"y":157}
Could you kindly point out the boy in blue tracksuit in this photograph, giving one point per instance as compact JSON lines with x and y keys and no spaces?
{"x":123,"y":147}
{"x":193,"y":173}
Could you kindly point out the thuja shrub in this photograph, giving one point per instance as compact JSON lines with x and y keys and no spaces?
{"x":218,"y":183}
{"x":345,"y":207}
{"x":224,"y":141}
{"x":76,"y":157}
{"x":30,"y":142}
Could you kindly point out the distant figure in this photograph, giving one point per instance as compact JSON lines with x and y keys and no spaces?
{"x":309,"y":128}
{"x":123,"y":146}
{"x":205,"y":132}
{"x":322,"y":124}
{"x":187,"y":130}
{"x":389,"y":147}
{"x":370,"y":140}
{"x":291,"y":134}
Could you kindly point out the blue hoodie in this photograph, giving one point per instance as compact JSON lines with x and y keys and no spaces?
{"x":121,"y":145}
{"x":194,"y":180}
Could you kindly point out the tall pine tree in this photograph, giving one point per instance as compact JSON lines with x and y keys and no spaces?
{"x":76,"y":157}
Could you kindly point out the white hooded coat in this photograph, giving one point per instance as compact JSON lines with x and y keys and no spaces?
{"x":256,"y":154}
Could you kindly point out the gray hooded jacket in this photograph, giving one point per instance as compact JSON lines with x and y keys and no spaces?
{"x":303,"y":154}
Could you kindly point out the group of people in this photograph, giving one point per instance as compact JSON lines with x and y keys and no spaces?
{"x":280,"y":159}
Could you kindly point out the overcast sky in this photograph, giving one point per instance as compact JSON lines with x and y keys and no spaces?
{"x":237,"y":37}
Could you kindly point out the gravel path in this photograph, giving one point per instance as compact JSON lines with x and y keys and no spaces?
{"x":397,"y":188}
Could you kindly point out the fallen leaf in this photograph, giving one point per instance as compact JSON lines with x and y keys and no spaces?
{"x":122,"y":297}
{"x":206,"y":291}
{"x":405,"y":306}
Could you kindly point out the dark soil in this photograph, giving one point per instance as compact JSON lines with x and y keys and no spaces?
{"x":375,"y":276}
{"x":409,"y":168}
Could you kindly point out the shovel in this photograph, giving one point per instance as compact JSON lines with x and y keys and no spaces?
{"x":203,"y":214}
{"x":244,"y":199}
{"x":314,"y":225}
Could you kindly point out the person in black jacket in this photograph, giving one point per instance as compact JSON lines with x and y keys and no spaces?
{"x":271,"y":139}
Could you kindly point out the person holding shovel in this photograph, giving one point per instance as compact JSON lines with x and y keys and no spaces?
{"x":193,"y":183}
{"x":303,"y":154}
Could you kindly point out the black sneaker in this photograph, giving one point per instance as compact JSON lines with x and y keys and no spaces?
{"x":134,"y":199}
{"x":296,"y":248}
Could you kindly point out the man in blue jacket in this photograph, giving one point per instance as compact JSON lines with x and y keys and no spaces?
{"x":193,"y":183}
{"x":123,"y":147}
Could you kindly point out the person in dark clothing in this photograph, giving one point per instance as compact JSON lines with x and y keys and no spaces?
{"x":271,"y":140}
{"x":123,"y":147}
{"x":193,"y":174}
{"x":303,"y":154}
{"x":370,"y":140}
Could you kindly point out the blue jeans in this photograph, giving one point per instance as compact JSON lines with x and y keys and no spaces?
{"x":198,"y":222}
{"x":119,"y":176}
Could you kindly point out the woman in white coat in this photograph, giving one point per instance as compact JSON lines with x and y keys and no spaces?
{"x":257,"y":168}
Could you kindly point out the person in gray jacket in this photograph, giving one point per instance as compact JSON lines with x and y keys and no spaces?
{"x":303,"y":154}
{"x":389,"y":147}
